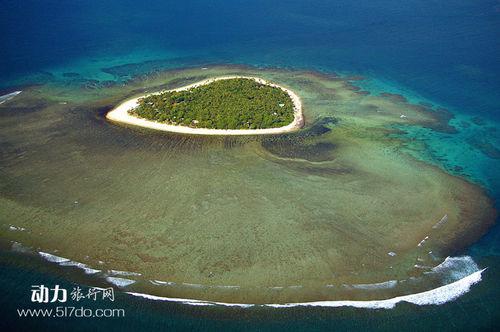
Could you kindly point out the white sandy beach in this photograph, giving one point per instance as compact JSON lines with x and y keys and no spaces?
{"x":121,"y":114}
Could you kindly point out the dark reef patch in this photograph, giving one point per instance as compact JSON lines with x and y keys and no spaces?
{"x":464,"y":124}
{"x":175,"y":83}
{"x":296,"y":149}
{"x":397,"y":98}
{"x":441,"y":121}
{"x":354,"y":78}
{"x":318,"y":128}
{"x":426,"y":104}
{"x":352,"y":87}
{"x":484,"y":146}
{"x":103,"y":110}
{"x":95,"y":84}
{"x":131,"y":70}
{"x":477,"y":120}
{"x":300,"y":145}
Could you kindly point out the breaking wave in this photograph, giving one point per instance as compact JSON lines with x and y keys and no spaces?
{"x":8,"y":96}
{"x":458,"y":275}
{"x":461,"y":273}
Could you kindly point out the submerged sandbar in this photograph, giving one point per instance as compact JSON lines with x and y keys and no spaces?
{"x":122,"y":113}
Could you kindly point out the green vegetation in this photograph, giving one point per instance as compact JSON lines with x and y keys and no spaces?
{"x":238,"y":103}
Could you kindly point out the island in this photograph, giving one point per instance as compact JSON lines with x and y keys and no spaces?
{"x":227,"y":105}
{"x":348,"y":208}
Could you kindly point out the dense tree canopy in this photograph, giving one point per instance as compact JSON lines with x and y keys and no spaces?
{"x":238,"y":103}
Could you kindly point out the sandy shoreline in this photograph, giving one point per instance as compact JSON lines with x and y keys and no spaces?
{"x":121,"y":114}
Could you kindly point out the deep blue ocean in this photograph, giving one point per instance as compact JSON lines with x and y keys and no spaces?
{"x":446,"y":52}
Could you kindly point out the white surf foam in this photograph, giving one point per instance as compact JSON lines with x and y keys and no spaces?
{"x":441,"y":222}
{"x":463,"y":263}
{"x":227,"y":287}
{"x":8,"y":96}
{"x":18,"y":247}
{"x":16,"y":229}
{"x":53,"y":258}
{"x":162,"y":283}
{"x":295,"y":287}
{"x":455,"y":268}
{"x":123,"y":273}
{"x":379,"y":285}
{"x":84,"y":267}
{"x":192,"y":285}
{"x":462,"y":271}
{"x":421,"y":243}
{"x":67,"y":262}
{"x":434,"y":296}
{"x":120,"y":282}
{"x":189,"y":301}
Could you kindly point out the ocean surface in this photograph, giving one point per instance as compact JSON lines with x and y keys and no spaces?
{"x":443,"y":52}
